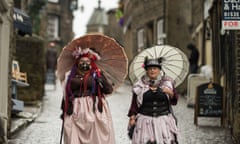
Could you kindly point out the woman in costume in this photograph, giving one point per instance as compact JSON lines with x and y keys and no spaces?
{"x":87,"y":118}
{"x":150,"y":112}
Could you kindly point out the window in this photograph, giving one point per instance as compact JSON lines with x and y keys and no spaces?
{"x":53,"y":27}
{"x":100,"y":29}
{"x":149,"y":34}
{"x":160,"y":32}
{"x":73,"y":5}
{"x":17,"y":4}
{"x":140,"y":39}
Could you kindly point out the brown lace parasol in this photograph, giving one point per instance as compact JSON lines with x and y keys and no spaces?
{"x":113,"y":62}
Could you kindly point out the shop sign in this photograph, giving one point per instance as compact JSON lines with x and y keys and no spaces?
{"x":231,"y":14}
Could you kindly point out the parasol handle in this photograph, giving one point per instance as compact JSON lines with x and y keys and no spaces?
{"x":97,"y":75}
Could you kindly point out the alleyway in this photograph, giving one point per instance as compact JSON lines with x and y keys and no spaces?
{"x":46,"y":128}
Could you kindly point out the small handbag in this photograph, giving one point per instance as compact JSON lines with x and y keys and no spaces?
{"x":149,"y":142}
{"x":130,"y":131}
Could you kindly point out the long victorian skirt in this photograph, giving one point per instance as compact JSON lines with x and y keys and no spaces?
{"x":85,"y":126}
{"x":162,"y":130}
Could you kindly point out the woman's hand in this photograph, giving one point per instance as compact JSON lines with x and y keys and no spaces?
{"x":153,"y":88}
{"x":132,"y":120}
{"x":168,"y":91}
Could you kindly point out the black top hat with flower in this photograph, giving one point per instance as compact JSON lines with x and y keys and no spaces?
{"x":157,"y":62}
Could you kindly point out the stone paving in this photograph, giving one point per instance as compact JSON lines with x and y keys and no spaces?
{"x":208,"y":130}
{"x":47,"y":126}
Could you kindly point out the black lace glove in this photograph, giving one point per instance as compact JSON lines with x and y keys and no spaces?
{"x":62,"y":108}
{"x":100,"y":81}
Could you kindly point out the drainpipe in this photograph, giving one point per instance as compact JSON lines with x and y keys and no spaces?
{"x":203,"y":38}
{"x":165,"y":27}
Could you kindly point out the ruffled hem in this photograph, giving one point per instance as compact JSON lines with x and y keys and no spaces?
{"x":161,"y":129}
{"x":85,"y":126}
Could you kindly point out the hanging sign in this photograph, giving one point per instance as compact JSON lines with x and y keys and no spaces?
{"x":231,"y":14}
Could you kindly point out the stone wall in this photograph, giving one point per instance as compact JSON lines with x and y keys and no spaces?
{"x":65,"y":15}
{"x":197,"y":15}
{"x":114,"y":29}
{"x":177,"y":23}
{"x":30,"y":53}
{"x":137,"y":15}
{"x":178,"y":28}
{"x":178,"y":32}
{"x":236,"y":98}
{"x":6,"y":48}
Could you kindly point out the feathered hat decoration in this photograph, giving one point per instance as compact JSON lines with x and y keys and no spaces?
{"x":87,"y":52}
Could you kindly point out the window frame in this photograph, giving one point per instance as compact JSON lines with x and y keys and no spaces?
{"x":53,"y":1}
{"x":140,"y":38}
{"x":53,"y":33}
{"x":160,"y":32}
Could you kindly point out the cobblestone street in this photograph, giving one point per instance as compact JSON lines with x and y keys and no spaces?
{"x":47,"y":127}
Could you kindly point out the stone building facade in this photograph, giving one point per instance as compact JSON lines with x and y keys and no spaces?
{"x":226,"y":67}
{"x":60,"y":21}
{"x":149,"y":23}
{"x":6,"y":48}
{"x":114,"y":29}
{"x":201,"y":30}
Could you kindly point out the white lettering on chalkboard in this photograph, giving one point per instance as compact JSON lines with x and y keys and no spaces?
{"x":210,"y":91}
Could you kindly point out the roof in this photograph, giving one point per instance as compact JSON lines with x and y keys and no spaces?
{"x":99,"y":17}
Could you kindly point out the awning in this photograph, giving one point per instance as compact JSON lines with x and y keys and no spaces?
{"x":22,"y":22}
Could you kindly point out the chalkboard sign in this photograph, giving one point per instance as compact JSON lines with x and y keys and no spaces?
{"x":209,"y":100}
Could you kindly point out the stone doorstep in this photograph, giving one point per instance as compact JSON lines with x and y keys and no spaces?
{"x":23,"y":119}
